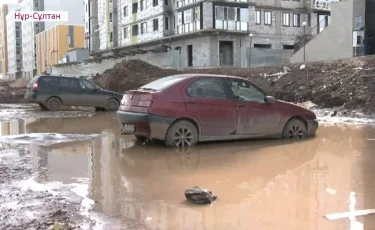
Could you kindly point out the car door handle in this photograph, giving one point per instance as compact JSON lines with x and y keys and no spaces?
{"x":191,"y":102}
{"x":241,"y":106}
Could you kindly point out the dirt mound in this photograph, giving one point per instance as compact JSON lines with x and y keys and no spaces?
{"x":130,"y":74}
{"x":12,"y":91}
{"x":348,"y":83}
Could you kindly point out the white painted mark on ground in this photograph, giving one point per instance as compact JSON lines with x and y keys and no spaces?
{"x":352,"y":214}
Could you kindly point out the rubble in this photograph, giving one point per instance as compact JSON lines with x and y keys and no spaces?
{"x":198,"y":195}
{"x":347,"y":83}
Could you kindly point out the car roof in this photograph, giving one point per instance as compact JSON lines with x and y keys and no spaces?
{"x":191,"y":75}
{"x":58,"y":76}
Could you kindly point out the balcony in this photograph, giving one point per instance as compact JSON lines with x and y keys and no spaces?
{"x":324,"y":5}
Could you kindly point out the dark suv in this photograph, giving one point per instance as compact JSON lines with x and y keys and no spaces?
{"x":51,"y":92}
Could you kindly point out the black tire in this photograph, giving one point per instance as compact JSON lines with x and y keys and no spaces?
{"x":182,"y":134}
{"x":53,"y":104}
{"x":43,"y":107}
{"x":112,"y":105}
{"x":295,"y":129}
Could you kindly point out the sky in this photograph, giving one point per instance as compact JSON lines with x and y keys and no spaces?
{"x":8,"y":2}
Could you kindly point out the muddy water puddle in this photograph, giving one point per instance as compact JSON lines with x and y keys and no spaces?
{"x":260,"y":184}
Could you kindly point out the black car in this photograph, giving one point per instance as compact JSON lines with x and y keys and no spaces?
{"x":51,"y":92}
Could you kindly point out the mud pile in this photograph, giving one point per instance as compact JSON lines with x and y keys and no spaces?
{"x":12,"y":91}
{"x":130,"y":74}
{"x":348,"y":83}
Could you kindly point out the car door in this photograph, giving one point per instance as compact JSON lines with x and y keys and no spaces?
{"x":70,"y":91}
{"x":91,"y":96}
{"x":255,"y":116}
{"x":209,"y":102}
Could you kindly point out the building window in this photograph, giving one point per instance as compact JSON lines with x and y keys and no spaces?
{"x":143,"y":27}
{"x":126,"y":32}
{"x":110,"y":37}
{"x":155,"y":2}
{"x":110,"y":17}
{"x":166,"y":23}
{"x":156,"y":24}
{"x":135,"y":30}
{"x":286,"y":19}
{"x":125,"y":11}
{"x":86,"y":7}
{"x":257,"y":17}
{"x":267,"y":18}
{"x":166,"y":2}
{"x":296,"y":20}
{"x":141,"y":5}
{"x":135,"y":8}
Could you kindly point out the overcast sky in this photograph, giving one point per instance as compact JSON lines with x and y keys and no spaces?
{"x":8,"y":1}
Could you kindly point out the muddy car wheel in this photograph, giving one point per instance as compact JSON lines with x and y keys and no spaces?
{"x":43,"y":107}
{"x":295,"y":129}
{"x":182,"y":134}
{"x":53,"y":104}
{"x":112,"y":105}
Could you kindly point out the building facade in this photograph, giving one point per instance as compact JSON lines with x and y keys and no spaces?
{"x":53,"y":43}
{"x":29,"y":30}
{"x":14,"y":32}
{"x":201,"y":33}
{"x":91,"y":25}
{"x":3,"y":40}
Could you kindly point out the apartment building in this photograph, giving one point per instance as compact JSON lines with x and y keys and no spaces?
{"x":3,"y":40}
{"x":14,"y":34}
{"x":53,"y":43}
{"x":91,"y":25}
{"x":200,"y":33}
{"x":29,"y":30}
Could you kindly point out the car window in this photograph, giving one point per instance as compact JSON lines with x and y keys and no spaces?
{"x":48,"y":82}
{"x":69,"y":83}
{"x":163,"y":83}
{"x":207,"y":88}
{"x":32,"y":81}
{"x":245,"y":91}
{"x":86,"y":84}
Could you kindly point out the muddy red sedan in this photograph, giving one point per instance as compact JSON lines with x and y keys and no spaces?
{"x":185,"y":109}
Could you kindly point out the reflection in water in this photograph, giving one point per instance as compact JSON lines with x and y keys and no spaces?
{"x":260,"y":184}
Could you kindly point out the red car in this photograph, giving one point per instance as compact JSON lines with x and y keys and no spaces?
{"x":186,"y":109}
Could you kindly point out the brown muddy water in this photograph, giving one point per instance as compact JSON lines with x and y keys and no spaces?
{"x":269,"y":184}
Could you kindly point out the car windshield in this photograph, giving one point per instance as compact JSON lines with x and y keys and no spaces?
{"x":163,"y":83}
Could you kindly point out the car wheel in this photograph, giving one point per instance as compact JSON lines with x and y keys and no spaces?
{"x":295,"y":129}
{"x":182,"y":134}
{"x":53,"y":104}
{"x":43,"y":107}
{"x":112,"y":105}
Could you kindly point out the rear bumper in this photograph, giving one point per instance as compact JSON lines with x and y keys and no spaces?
{"x":30,"y":97}
{"x":312,"y":127}
{"x":148,"y":125}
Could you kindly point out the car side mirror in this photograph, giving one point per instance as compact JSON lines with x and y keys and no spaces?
{"x":270,"y":100}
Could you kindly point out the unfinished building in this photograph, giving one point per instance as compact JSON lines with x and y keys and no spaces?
{"x":202,"y":34}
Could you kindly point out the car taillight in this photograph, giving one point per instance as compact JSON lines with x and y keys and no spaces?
{"x":35,"y":86}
